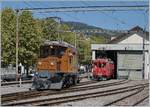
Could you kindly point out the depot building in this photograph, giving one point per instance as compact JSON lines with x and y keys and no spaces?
{"x":130,"y":56}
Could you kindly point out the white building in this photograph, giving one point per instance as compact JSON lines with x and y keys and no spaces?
{"x":126,"y":50}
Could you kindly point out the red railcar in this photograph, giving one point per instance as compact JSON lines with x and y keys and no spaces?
{"x":102,"y":69}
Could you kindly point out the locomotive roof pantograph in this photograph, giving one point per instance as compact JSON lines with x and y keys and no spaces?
{"x":59,"y":43}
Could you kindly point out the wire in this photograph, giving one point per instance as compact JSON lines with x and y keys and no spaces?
{"x":29,"y":5}
{"x":114,"y":18}
{"x":95,"y":8}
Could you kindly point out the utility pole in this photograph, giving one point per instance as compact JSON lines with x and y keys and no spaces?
{"x":17,"y":40}
{"x":143,"y":54}
{"x":59,"y":23}
{"x":58,"y":20}
{"x":75,"y":40}
{"x":0,"y":48}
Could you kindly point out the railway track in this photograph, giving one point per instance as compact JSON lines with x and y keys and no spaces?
{"x":31,"y":94}
{"x":27,"y":81}
{"x":69,"y":98}
{"x":128,"y":100}
{"x":15,"y":82}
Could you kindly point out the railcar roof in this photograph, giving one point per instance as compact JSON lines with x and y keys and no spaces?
{"x":102,"y":60}
{"x":58,"y":43}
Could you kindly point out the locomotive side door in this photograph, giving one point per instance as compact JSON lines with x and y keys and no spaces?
{"x":58,"y":65}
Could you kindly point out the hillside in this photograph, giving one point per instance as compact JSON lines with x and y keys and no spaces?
{"x":82,"y":26}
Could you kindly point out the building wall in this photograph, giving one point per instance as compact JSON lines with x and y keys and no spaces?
{"x":129,"y":64}
{"x":134,"y":39}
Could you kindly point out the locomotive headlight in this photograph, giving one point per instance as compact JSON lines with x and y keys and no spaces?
{"x":51,"y":46}
{"x":39,"y":63}
{"x":70,"y":54}
{"x":52,"y":63}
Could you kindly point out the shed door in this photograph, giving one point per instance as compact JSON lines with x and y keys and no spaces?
{"x":129,"y":65}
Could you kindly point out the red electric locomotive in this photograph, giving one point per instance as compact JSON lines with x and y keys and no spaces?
{"x":102,"y":69}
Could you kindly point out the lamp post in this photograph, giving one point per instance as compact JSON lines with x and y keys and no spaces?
{"x":17,"y":40}
{"x":143,"y":69}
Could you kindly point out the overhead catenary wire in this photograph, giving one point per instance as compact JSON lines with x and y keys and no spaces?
{"x":30,"y":6}
{"x":110,"y":16}
{"x":79,"y":7}
{"x":89,"y":8}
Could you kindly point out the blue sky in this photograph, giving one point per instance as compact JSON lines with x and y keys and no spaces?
{"x":118,"y":20}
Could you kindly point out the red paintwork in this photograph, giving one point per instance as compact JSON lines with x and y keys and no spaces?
{"x":103,"y":71}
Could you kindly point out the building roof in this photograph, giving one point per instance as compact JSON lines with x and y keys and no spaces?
{"x":136,"y":30}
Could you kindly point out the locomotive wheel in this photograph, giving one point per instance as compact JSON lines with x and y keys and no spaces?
{"x":97,"y":78}
{"x":74,"y":80}
{"x":70,"y":81}
{"x":67,"y":82}
{"x":78,"y":81}
{"x":64,"y":85}
{"x":46,"y":85}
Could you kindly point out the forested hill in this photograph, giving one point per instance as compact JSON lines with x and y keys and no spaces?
{"x":80,"y":26}
{"x":83,"y":26}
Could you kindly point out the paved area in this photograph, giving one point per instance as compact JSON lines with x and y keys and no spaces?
{"x":15,"y":88}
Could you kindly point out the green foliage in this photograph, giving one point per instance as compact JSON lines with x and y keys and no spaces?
{"x":8,"y":31}
{"x":33,"y":32}
{"x":97,"y":39}
{"x":49,"y":29}
{"x":30,"y":38}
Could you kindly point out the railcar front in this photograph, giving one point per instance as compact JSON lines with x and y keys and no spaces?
{"x":103,"y":69}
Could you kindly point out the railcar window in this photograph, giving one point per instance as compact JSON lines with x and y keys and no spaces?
{"x":102,"y":65}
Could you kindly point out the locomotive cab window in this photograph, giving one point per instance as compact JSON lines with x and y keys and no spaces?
{"x":46,"y":51}
{"x":52,"y":51}
{"x":61,"y":51}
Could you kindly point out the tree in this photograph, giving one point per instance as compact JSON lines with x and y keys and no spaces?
{"x":66,"y":35}
{"x":30,"y":39}
{"x":49,"y":29}
{"x":8,"y":28}
{"x":96,"y":39}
